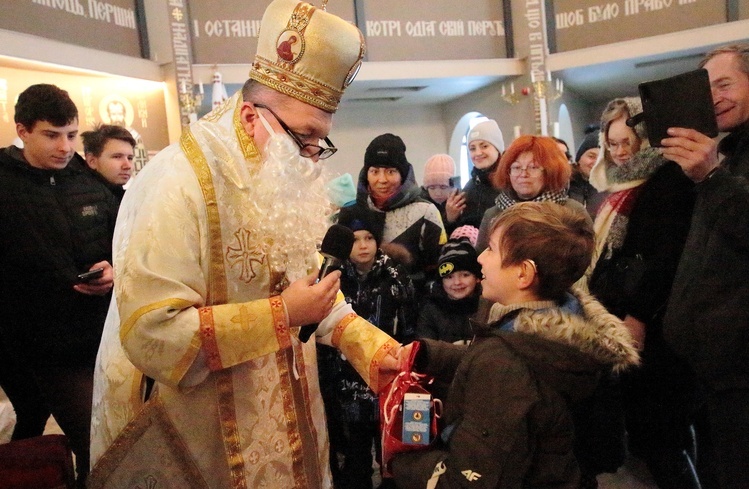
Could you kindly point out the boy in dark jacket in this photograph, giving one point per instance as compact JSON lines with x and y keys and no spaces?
{"x":56,"y":222}
{"x":507,"y":415}
{"x":455,"y":297}
{"x":381,"y":291}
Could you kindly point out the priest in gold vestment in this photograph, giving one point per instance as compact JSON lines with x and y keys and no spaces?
{"x":215,"y":267}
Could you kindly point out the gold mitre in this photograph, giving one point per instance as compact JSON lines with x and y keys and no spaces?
{"x":307,"y":53}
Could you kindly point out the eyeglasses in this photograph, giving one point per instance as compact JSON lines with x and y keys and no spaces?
{"x":306,"y":150}
{"x":532,"y":170}
{"x":625,"y":144}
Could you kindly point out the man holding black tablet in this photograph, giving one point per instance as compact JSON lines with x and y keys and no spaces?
{"x":707,"y":320}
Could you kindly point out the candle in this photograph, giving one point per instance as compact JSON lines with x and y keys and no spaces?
{"x":556,"y":129}
{"x":544,"y":117}
{"x":200,"y":87}
{"x":503,"y":90}
{"x":561,"y":86}
{"x":548,"y":76}
{"x":512,"y":88}
{"x":533,"y":77}
{"x":516,"y":132}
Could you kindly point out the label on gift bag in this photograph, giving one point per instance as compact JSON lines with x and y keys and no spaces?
{"x":416,"y":418}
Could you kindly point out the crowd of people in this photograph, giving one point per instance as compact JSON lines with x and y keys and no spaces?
{"x":570,"y":310}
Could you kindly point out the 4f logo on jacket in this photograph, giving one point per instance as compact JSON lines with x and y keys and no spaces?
{"x":89,"y":210}
{"x":471,"y":475}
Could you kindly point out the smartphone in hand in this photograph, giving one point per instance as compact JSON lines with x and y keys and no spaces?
{"x":86,"y":277}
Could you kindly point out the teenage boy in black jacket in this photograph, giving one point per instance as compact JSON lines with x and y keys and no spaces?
{"x":56,"y":222}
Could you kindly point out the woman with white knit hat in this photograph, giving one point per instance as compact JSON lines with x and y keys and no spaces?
{"x":485,"y":146}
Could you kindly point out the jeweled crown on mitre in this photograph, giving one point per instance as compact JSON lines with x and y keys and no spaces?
{"x":307,"y":53}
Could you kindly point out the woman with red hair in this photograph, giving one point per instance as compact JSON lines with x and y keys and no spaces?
{"x":532,"y":169}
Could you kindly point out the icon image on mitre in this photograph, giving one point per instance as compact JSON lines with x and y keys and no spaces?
{"x":290,"y":46}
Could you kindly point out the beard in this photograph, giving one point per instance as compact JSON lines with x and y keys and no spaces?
{"x":290,"y":207}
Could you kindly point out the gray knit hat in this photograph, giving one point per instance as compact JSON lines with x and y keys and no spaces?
{"x":487,"y":131}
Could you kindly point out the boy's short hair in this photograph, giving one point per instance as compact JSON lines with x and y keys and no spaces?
{"x":560,"y":242}
{"x":95,"y":140}
{"x":44,"y":102}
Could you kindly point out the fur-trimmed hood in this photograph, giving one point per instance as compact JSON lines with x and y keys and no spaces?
{"x":595,"y":333}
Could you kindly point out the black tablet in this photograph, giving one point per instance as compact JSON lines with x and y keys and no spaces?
{"x":679,"y":101}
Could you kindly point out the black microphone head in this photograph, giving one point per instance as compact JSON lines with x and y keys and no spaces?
{"x":338,"y":242}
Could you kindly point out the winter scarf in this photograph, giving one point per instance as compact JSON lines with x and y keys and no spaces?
{"x":507,"y":199}
{"x":406,"y":194}
{"x":625,"y":183}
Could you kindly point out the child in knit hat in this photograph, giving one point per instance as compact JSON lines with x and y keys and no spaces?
{"x":452,"y":301}
{"x":381,"y":291}
{"x":341,"y":192}
{"x":438,"y":171}
{"x":466,"y":231}
{"x":448,"y":307}
{"x":438,"y":186}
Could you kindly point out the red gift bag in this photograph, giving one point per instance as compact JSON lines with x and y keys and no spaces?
{"x":392,"y":412}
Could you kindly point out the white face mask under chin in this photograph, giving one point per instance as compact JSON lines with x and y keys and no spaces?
{"x":284,"y":150}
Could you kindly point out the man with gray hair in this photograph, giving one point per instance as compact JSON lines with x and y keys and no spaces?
{"x":707,"y":320}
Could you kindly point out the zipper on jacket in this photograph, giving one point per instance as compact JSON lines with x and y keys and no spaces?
{"x":52,"y":180}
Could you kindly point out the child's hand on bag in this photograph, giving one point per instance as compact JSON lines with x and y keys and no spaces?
{"x":397,"y":361}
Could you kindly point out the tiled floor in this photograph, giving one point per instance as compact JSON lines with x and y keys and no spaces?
{"x":632,"y":476}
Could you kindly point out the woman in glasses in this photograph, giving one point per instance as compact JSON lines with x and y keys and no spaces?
{"x":640,"y":233}
{"x":532,"y":169}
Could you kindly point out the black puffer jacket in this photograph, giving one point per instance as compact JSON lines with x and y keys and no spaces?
{"x":445,"y":319}
{"x":54,"y":224}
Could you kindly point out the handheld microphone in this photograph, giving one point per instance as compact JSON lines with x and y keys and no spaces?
{"x":335,"y":248}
